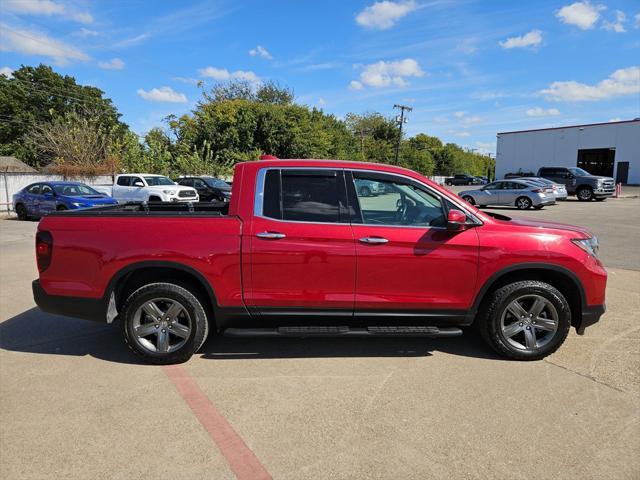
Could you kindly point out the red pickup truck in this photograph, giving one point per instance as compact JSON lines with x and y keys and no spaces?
{"x":299,"y":252}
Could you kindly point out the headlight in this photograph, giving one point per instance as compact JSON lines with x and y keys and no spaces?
{"x":589,"y":245}
{"x":169,"y":192}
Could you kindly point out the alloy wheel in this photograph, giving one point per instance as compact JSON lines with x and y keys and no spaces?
{"x":529,"y":322}
{"x":523,"y":203}
{"x":161,"y":325}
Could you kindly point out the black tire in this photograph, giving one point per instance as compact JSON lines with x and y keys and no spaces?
{"x":21,"y":212}
{"x":198,"y":322}
{"x":585,"y":194}
{"x":490,"y":317}
{"x":523,"y":203}
{"x":365,"y":192}
{"x":153,"y":199}
{"x":469,"y":199}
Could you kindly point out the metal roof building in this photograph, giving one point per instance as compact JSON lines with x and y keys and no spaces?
{"x":611,"y":149}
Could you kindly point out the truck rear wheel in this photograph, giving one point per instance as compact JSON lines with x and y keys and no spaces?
{"x":525,"y":320}
{"x":164,"y":323}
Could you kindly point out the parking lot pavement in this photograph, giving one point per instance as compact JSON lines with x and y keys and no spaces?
{"x":74,"y":403}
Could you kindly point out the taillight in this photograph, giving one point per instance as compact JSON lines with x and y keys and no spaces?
{"x":44,"y":250}
{"x":537,"y":190}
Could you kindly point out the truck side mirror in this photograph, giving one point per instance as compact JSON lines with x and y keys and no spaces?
{"x":138,"y":183}
{"x":456,"y":220}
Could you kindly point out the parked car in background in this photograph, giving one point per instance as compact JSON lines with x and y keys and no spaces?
{"x":209,"y":188}
{"x":368,"y":188}
{"x":558,"y":189}
{"x":39,"y":199}
{"x":302,"y":253}
{"x":462,"y":179}
{"x":518,"y":193}
{"x":143,"y":187}
{"x":482,"y":180}
{"x":580,"y":183}
{"x":519,"y":174}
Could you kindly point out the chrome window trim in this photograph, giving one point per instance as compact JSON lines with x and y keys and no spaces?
{"x":259,"y":198}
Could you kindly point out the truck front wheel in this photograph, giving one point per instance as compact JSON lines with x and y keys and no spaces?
{"x":585,"y":194}
{"x":525,"y":320}
{"x":164,"y":323}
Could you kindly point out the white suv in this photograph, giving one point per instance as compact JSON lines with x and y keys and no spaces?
{"x":142,"y":187}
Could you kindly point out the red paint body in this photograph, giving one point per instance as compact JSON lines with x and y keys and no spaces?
{"x":316,"y":265}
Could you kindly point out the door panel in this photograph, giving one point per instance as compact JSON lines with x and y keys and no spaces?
{"x":302,"y":252}
{"x":312,"y":266}
{"x":414,"y":265}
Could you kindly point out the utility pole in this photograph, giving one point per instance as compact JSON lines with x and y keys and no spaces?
{"x":401,"y":120}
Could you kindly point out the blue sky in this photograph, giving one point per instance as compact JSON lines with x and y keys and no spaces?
{"x":468,"y":68}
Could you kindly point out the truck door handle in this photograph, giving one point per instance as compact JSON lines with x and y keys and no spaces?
{"x":271,"y":235}
{"x":374,"y":240}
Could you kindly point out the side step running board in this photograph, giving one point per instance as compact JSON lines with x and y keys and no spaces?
{"x":341,"y":331}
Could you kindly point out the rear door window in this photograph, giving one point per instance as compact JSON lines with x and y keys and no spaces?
{"x":303,"y":195}
{"x":124,"y":181}
{"x":34,"y":189}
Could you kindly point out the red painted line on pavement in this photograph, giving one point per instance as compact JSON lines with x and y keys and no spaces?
{"x":240,"y":457}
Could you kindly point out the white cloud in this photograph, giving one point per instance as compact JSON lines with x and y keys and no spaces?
{"x":625,"y":81}
{"x":531,"y":39}
{"x":260,"y":51}
{"x":163,"y":94}
{"x":320,"y":66}
{"x":466,"y":120}
{"x":223,"y":75}
{"x":127,"y":42}
{"x":583,"y":15}
{"x":462,"y":134}
{"x":355,"y":85}
{"x":321,"y":101}
{"x":486,"y":147}
{"x":383,"y":74}
{"x":541,"y":112}
{"x":616,"y":119}
{"x":636,"y":19}
{"x":34,"y":43}
{"x":488,"y":95}
{"x":384,"y":15}
{"x":85,"y":32}
{"x":113,"y":64}
{"x":7,"y":72}
{"x":468,"y":46}
{"x":44,"y":7}
{"x":618,"y":25}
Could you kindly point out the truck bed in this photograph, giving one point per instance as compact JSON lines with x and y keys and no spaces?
{"x":133,"y":209}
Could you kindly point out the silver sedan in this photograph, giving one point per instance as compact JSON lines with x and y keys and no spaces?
{"x":517,"y":193}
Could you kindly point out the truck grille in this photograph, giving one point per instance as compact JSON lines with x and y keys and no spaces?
{"x":186,"y":193}
{"x":608,"y":185}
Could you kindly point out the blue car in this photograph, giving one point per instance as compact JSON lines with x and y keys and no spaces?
{"x":39,"y":199}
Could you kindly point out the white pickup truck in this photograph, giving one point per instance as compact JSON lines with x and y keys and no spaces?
{"x":143,"y":187}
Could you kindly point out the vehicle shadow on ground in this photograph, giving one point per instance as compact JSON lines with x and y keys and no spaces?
{"x":36,"y":332}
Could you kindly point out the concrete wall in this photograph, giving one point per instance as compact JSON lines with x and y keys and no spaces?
{"x":528,"y":151}
{"x":10,"y":183}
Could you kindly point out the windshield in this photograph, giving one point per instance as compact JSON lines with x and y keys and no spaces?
{"x":153,"y":181}
{"x":578,"y":171}
{"x":77,"y":190}
{"x":216,"y":183}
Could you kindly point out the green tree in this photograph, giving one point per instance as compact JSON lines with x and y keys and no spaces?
{"x":35,"y":96}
